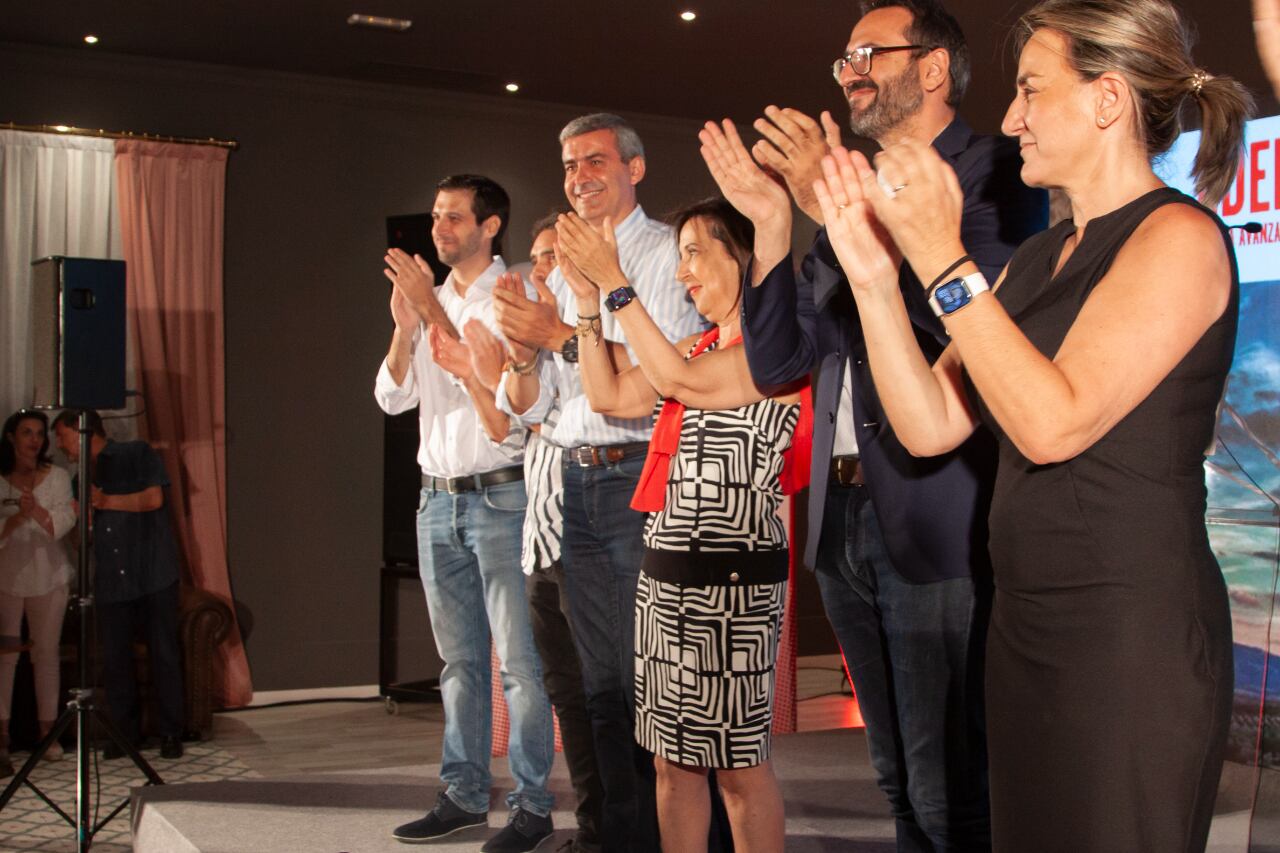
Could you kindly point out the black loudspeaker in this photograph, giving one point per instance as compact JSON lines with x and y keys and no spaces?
{"x":77,"y":335}
{"x":401,"y":476}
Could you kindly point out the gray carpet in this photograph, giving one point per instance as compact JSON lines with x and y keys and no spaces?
{"x":832,"y":804}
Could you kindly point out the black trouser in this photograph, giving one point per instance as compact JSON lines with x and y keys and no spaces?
{"x":562,"y":679}
{"x":119,"y":622}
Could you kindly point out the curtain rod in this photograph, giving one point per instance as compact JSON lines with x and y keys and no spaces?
{"x":229,"y":144}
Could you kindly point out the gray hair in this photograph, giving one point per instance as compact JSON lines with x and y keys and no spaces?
{"x":629,"y":144}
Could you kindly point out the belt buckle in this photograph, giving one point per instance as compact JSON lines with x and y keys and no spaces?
{"x":586,"y":455}
{"x":846,"y":470}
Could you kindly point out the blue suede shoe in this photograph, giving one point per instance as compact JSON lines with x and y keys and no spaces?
{"x":524,"y":831}
{"x":445,"y":819}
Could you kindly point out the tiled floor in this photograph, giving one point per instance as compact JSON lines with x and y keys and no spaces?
{"x":28,"y":824}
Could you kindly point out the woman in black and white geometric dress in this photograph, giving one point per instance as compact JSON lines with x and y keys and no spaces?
{"x":713,"y":578}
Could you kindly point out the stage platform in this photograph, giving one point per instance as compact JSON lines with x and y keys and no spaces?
{"x":832,"y":804}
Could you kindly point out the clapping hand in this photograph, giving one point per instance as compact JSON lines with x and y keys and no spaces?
{"x":917,"y":196}
{"x":1266,"y":26}
{"x":793,"y":147}
{"x":487,"y":355}
{"x":583,"y":288}
{"x":452,"y":355}
{"x":411,"y":276}
{"x":866,"y":252}
{"x":406,"y":319}
{"x":527,"y":324}
{"x":744,"y":184}
{"x":592,"y":253}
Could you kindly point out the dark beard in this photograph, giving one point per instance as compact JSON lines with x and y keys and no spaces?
{"x":897,"y":99}
{"x":464,"y":249}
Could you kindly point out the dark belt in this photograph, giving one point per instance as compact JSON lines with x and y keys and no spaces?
{"x":473,"y":482}
{"x":846,"y":470}
{"x":588,"y":455}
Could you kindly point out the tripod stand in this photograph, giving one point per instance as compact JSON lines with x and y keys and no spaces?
{"x":81,"y":708}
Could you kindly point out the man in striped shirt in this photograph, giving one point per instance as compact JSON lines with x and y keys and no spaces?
{"x":603,"y":160}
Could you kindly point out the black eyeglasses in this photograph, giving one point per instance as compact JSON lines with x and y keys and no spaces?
{"x":860,"y":58}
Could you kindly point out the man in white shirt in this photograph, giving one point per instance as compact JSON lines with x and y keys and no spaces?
{"x":603,"y":160}
{"x":469,"y":522}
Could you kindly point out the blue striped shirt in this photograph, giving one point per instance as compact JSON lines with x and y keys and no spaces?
{"x":649,"y":257}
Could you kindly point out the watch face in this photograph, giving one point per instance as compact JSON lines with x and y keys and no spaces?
{"x":618,"y":298}
{"x":952,"y":296}
{"x":569,"y":352}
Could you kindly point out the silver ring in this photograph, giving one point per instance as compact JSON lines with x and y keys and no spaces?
{"x":841,"y":206}
{"x":889,"y":189}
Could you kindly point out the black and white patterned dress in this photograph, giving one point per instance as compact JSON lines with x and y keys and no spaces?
{"x":712,"y":588}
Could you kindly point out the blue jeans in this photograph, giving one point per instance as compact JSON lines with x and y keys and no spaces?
{"x":914,"y":652}
{"x":469,"y":558}
{"x":602,"y":546}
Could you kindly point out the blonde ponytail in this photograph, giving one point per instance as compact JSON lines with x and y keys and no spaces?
{"x":1149,"y":44}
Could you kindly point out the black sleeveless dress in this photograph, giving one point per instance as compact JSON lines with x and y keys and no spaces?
{"x":1109,"y":668}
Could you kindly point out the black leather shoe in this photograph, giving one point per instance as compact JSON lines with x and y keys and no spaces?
{"x":171,"y":747}
{"x":524,"y":832}
{"x":445,"y":819}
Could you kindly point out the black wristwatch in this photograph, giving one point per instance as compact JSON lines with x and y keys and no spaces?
{"x":569,"y":351}
{"x":619,"y":298}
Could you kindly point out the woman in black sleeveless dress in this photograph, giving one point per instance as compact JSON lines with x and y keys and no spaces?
{"x":1099,"y":363}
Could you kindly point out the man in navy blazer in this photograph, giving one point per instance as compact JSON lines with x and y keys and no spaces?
{"x":899,"y":543}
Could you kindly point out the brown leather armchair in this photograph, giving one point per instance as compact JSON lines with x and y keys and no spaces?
{"x":206,"y":622}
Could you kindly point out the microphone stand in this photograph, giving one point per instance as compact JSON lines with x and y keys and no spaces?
{"x":81,"y":707}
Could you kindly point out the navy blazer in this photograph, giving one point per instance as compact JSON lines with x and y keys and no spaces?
{"x":932,"y":511}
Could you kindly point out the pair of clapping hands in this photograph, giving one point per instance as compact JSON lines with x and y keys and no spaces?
{"x":25,"y":502}
{"x":475,"y":354}
{"x":908,"y":205}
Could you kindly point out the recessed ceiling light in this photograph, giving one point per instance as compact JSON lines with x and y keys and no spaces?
{"x":379,"y":22}
{"x":513,"y":87}
{"x":90,"y":39}
{"x":688,"y":15}
{"x":61,"y":128}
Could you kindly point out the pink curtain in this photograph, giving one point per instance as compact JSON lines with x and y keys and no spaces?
{"x":171,"y":215}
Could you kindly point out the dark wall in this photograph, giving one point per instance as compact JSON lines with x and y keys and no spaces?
{"x":321,"y":164}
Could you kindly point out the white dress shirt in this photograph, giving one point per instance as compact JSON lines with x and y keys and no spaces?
{"x":452,"y":440}
{"x":648,"y":255}
{"x":846,"y":443}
